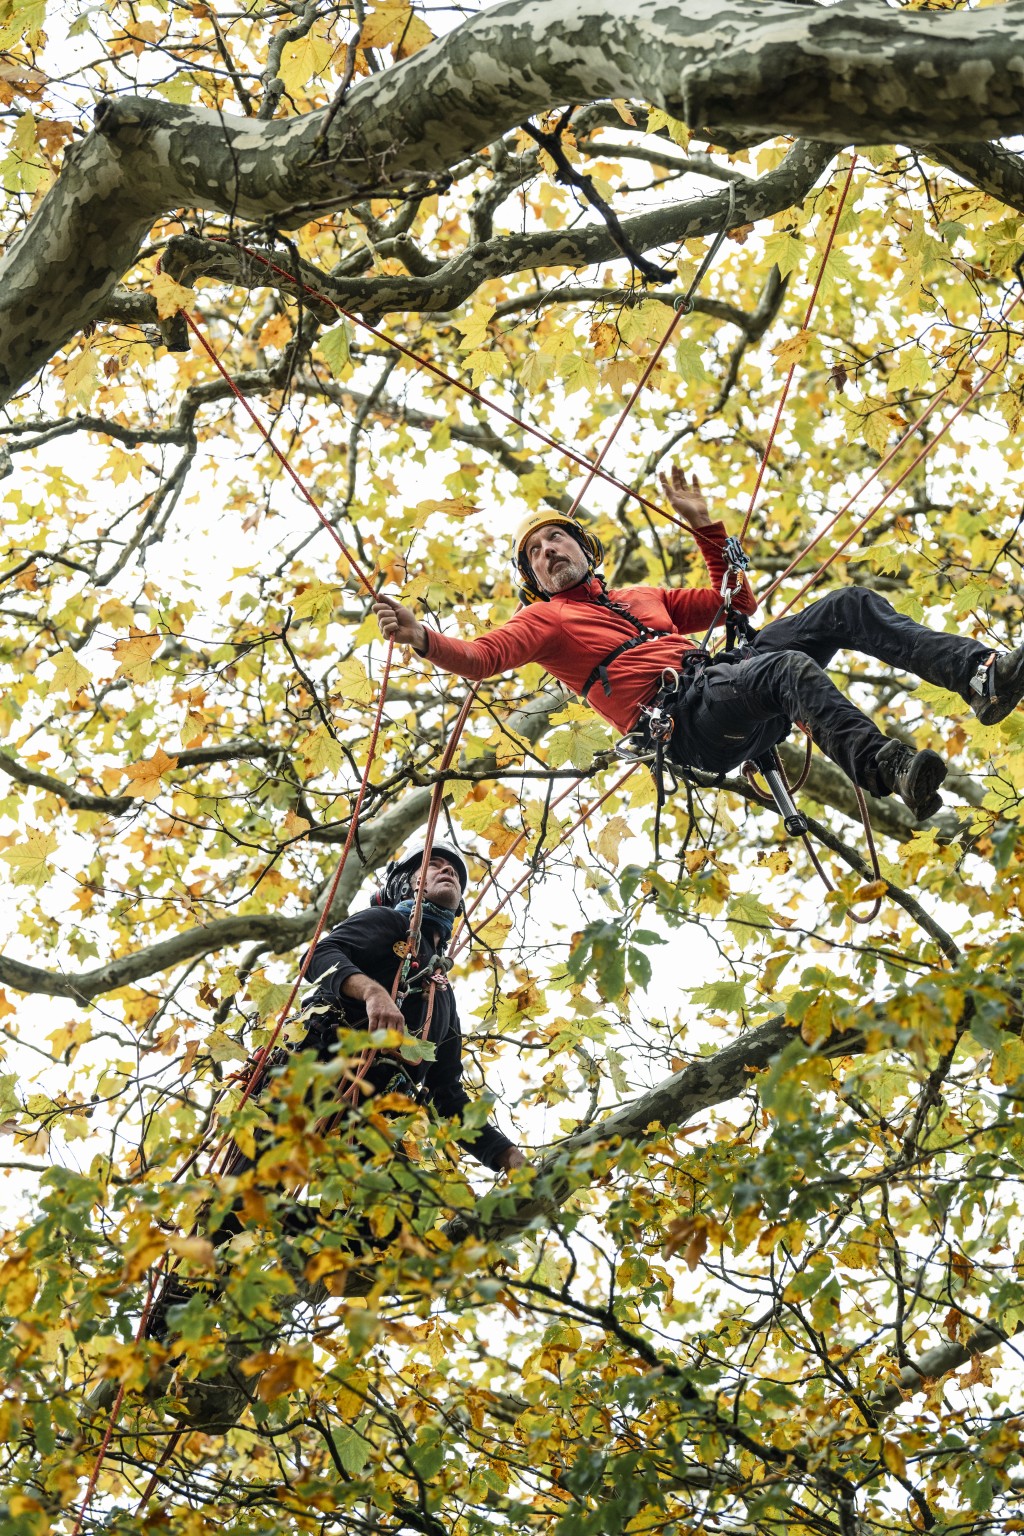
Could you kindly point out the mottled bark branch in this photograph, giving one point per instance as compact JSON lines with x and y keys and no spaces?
{"x":858,"y":73}
{"x":448,"y":284}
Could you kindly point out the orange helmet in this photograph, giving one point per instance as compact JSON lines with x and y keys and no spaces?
{"x":590,"y":544}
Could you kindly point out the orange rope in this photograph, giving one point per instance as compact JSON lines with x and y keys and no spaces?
{"x":264,"y":1054}
{"x":115,"y":1410}
{"x":807,"y":320}
{"x":940,"y":434}
{"x":456,"y":383}
{"x":281,"y":457}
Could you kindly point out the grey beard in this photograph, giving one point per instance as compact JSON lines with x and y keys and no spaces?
{"x":567,"y":576}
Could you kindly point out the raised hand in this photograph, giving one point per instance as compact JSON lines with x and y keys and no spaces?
{"x":686,"y":500}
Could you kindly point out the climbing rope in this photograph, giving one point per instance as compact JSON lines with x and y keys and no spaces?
{"x":465,"y":933}
{"x":454,"y":382}
{"x":826,"y":253}
{"x":904,"y":474}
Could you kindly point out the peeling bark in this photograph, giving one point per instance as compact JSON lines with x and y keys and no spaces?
{"x":857,"y":73}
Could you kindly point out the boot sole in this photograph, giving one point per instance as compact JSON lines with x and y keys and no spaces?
{"x":927,"y":772}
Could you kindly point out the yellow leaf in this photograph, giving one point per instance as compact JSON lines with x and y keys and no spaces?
{"x":486,"y":365}
{"x":495,"y":930}
{"x":117,"y":614}
{"x":789,"y":352}
{"x":29,"y":859}
{"x":455,"y":506}
{"x":536,"y":371}
{"x":135,"y":655}
{"x":391,"y":24}
{"x":295,"y":826}
{"x":320,"y":751}
{"x":69,"y":676}
{"x":609,"y":838}
{"x":316,"y":602}
{"x":282,"y":1371}
{"x":142,"y":1249}
{"x":623,"y":110}
{"x":301,"y":60}
{"x":144,"y":776}
{"x":351,"y":683}
{"x":198,"y":1249}
{"x":82,"y":375}
{"x":677,"y":131}
{"x":577,"y":371}
{"x":169,"y":295}
{"x":892,"y":1455}
{"x":18,"y":1284}
{"x":416,"y":36}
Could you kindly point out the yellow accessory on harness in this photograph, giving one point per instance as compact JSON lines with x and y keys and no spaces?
{"x":590,"y":544}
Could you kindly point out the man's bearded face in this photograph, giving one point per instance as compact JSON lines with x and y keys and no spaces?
{"x":555,"y":558}
{"x":441,"y":883}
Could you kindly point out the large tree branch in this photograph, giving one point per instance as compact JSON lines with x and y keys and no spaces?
{"x":450,"y":283}
{"x":860,"y":72}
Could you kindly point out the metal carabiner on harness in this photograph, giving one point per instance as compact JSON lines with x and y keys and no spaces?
{"x":659,"y":720}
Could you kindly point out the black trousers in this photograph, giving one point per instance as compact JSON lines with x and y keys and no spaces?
{"x":739,"y":707}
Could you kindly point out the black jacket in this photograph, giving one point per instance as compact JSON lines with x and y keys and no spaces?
{"x":371,"y":942}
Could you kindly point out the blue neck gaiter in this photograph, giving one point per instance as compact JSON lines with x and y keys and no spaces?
{"x":440,"y":917}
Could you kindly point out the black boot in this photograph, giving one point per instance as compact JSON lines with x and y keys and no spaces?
{"x":998,"y":686}
{"x":914,"y":776}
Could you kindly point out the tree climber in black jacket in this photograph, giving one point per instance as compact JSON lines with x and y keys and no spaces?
{"x":354,"y":967}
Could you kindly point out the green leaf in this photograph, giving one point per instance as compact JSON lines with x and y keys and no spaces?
{"x":335,"y":347}
{"x":353,"y":1450}
{"x":785,"y":250}
{"x":728,"y":995}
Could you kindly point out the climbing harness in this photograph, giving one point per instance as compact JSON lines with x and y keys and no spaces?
{"x":643,"y":636}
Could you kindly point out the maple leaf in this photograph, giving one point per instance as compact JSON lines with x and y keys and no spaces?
{"x":29,"y":860}
{"x":392,"y":24}
{"x":144,"y":776}
{"x":69,"y":675}
{"x":304,"y":58}
{"x":789,"y":352}
{"x":316,"y":602}
{"x":135,"y":655}
{"x":82,"y":375}
{"x":320,"y":751}
{"x":454,"y":506}
{"x":170,"y":296}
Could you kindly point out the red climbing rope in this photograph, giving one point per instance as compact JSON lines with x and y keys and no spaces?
{"x":115,"y":1410}
{"x":464,"y":934}
{"x":904,"y":474}
{"x":792,"y":370}
{"x":264,"y":1055}
{"x":453,"y":380}
{"x":281,"y":457}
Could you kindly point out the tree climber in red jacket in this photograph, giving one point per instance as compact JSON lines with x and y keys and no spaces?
{"x":627,"y":654}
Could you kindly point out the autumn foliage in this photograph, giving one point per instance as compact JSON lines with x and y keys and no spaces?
{"x":709,"y":1323}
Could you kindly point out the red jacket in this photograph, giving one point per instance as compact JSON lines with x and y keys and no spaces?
{"x":570,"y":633}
